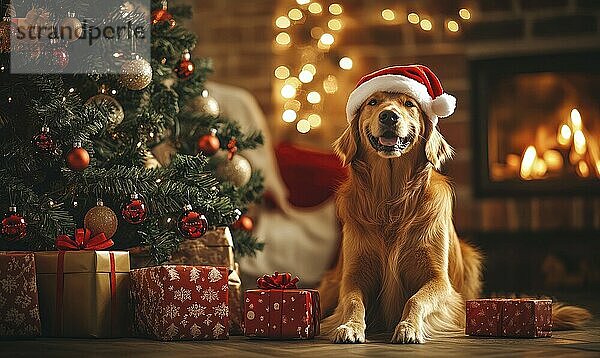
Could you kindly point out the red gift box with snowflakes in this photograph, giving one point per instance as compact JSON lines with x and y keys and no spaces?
{"x":19,"y":309}
{"x":179,"y":302}
{"x":279,"y":310}
{"x":499,"y":317}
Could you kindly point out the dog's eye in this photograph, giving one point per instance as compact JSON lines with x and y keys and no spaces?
{"x":372,"y":102}
{"x":409,"y":104}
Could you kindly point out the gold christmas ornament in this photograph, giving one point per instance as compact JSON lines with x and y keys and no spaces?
{"x":101,"y":219}
{"x":136,"y":74}
{"x":115,"y":110}
{"x":70,"y":28}
{"x":205,"y":104}
{"x":236,"y":171}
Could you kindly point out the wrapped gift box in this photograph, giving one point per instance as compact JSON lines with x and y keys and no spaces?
{"x":279,"y":310}
{"x":177,"y":302}
{"x":498,"y":317}
{"x":215,"y":248}
{"x":19,"y":310}
{"x":83,"y":293}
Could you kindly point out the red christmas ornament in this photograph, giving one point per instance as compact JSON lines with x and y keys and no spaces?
{"x":209,"y":144}
{"x":162,"y":15}
{"x":244,"y":223}
{"x":185,"y":68}
{"x":43,"y":141}
{"x":57,"y":55}
{"x":135,"y":210}
{"x":78,"y":158}
{"x":14,"y":226}
{"x":192,"y":224}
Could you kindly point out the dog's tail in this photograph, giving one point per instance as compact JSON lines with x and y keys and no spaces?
{"x":568,"y":317}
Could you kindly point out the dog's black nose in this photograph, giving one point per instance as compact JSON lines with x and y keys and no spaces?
{"x":388,"y":117}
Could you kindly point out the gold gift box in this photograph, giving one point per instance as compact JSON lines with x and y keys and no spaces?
{"x":215,"y":248}
{"x":87,"y":309}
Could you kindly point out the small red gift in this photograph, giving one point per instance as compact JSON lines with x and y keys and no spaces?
{"x":499,"y":317}
{"x":178,"y":302}
{"x":279,"y":310}
{"x":19,"y":310}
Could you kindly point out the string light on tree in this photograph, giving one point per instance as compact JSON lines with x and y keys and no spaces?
{"x":282,"y":72}
{"x":465,"y":14}
{"x":426,"y":25}
{"x":295,"y":14}
{"x":303,"y":126}
{"x":315,"y":8}
{"x":335,"y":9}
{"x":302,"y":2}
{"x":283,"y":38}
{"x":388,"y":15}
{"x":413,"y":18}
{"x":314,"y":120}
{"x":305,"y":76}
{"x":330,"y":85}
{"x":289,"y":115}
{"x":283,"y":22}
{"x":288,"y":91}
{"x":452,"y":26}
{"x":335,"y":24}
{"x":346,"y":63}
{"x":327,"y":39}
{"x":313,"y":97}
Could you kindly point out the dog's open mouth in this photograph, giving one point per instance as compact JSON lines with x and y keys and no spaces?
{"x":388,"y":142}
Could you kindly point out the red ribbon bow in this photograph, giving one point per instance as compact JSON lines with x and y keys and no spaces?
{"x":83,"y":241}
{"x":278,"y":280}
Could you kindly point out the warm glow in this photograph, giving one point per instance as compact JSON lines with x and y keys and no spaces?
{"x":582,"y":169}
{"x":316,"y":32}
{"x":295,"y":14}
{"x":283,"y":38}
{"x":315,"y":8}
{"x":464,"y":13}
{"x":288,"y":91}
{"x":283,"y":22}
{"x":564,"y":135}
{"x":413,"y":18}
{"x":327,"y":39}
{"x":282,"y":72}
{"x":310,"y":68}
{"x":302,"y":2}
{"x":539,"y":168}
{"x":334,"y":24}
{"x":335,"y":9}
{"x":294,"y":105}
{"x":527,"y":162}
{"x":330,"y":84}
{"x":303,"y":126}
{"x":576,"y":119}
{"x":289,"y":115}
{"x":305,"y":76}
{"x":293,"y":81}
{"x":314,"y":120}
{"x":388,"y":14}
{"x":426,"y":25}
{"x":346,"y":63}
{"x":553,"y":160}
{"x":313,"y":97}
{"x":452,"y":26}
{"x":579,"y":142}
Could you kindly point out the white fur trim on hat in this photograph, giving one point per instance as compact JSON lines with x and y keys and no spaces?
{"x":442,"y":106}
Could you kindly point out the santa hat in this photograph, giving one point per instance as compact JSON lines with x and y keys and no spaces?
{"x":417,"y":81}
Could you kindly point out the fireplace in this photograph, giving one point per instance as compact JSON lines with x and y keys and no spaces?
{"x":536,"y":123}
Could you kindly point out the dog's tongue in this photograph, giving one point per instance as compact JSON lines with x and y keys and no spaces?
{"x":388,"y":141}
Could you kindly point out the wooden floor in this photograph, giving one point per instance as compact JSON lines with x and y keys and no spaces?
{"x":571,"y":343}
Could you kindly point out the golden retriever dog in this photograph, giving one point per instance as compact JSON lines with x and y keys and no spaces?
{"x":402,"y":268}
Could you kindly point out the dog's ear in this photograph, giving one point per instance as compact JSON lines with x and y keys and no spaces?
{"x":437,"y":150}
{"x":345,"y":146}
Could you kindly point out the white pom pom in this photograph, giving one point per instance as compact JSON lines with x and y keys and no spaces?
{"x":443,"y":105}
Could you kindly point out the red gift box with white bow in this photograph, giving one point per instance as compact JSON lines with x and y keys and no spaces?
{"x":500,"y":317}
{"x":280,"y":310}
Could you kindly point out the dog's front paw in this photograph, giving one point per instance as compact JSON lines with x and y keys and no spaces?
{"x":407,"y":332}
{"x":350,"y":332}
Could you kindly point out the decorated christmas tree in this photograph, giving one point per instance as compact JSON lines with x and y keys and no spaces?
{"x":76,"y":150}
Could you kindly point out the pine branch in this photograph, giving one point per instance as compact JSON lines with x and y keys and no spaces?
{"x":246,"y":245}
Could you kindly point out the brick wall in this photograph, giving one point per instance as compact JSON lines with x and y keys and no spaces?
{"x":239,"y":37}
